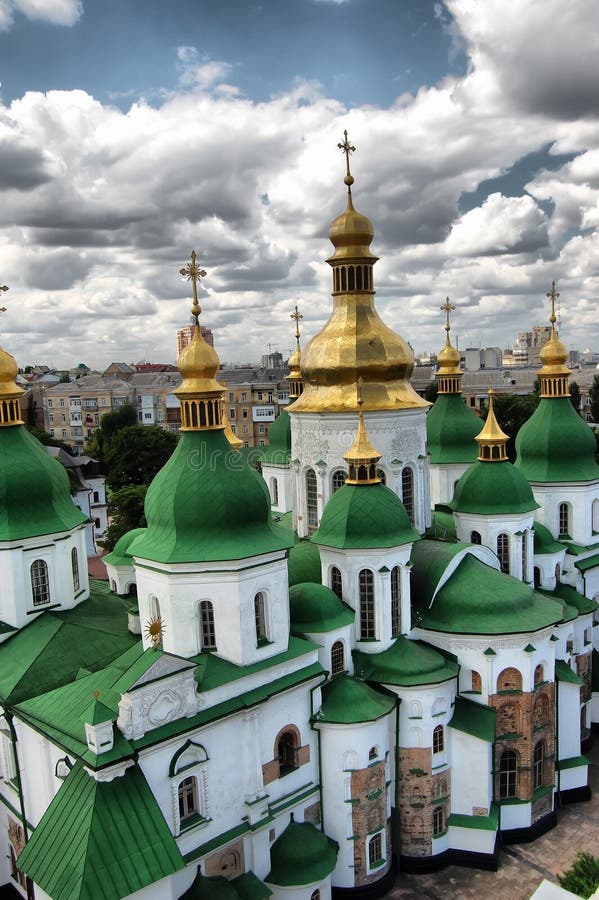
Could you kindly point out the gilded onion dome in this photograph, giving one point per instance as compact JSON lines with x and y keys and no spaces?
{"x":295,"y":377}
{"x":554,"y":373}
{"x":355,"y":343}
{"x":492,"y":439}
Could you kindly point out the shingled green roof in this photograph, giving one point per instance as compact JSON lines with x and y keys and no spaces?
{"x":279,"y":441}
{"x":405,"y":663}
{"x":493,"y":488}
{"x":207,"y":503}
{"x":361,"y":516}
{"x":563,"y":672}
{"x":544,"y":540}
{"x":314,"y":608}
{"x":473,"y":718}
{"x":100,"y":840}
{"x":347,"y":701}
{"x":476,"y":598}
{"x":573,"y":598}
{"x":244,"y":887}
{"x":303,"y":563}
{"x":556,"y":444}
{"x":35,"y":493}
{"x":121,"y":554}
{"x":301,"y":855}
{"x":451,"y":427}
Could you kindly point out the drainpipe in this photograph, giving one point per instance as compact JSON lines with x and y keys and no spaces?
{"x":317,"y":730}
{"x":396,"y":829}
{"x":9,"y":718}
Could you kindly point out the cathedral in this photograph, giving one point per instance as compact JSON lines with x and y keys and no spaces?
{"x":377,"y":655}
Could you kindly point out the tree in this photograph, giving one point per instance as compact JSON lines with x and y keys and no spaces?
{"x":110,"y":424}
{"x":44,"y":438}
{"x":431,"y":391}
{"x":127,"y":512}
{"x":594,"y":397}
{"x":575,"y":396}
{"x":512,"y":411}
{"x":582,"y":877}
{"x":136,"y":453}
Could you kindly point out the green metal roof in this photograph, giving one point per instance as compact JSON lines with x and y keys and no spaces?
{"x":303,"y":563}
{"x":476,"y":598}
{"x":563,"y":672}
{"x":361,"y":516}
{"x":100,"y":840}
{"x":347,"y":701}
{"x":591,"y":562}
{"x":474,"y":719}
{"x":279,"y":441}
{"x":55,"y":646}
{"x":493,"y":488}
{"x":451,"y":427}
{"x":406,"y":663}
{"x":207,"y":503}
{"x":443,"y":526}
{"x":120,"y":554}
{"x":556,"y":444}
{"x":573,"y":598}
{"x":35,"y":493}
{"x":301,"y":855}
{"x":544,"y":540}
{"x":483,"y":823}
{"x":314,"y":608}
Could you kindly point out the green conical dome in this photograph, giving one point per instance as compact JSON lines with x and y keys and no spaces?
{"x":405,"y":663}
{"x":303,"y":563}
{"x":207,"y":503}
{"x":120,"y":555}
{"x":314,"y":608}
{"x":35,"y":494}
{"x":451,"y":428}
{"x":364,"y":516}
{"x":491,"y":488}
{"x":347,"y":701}
{"x":556,"y":444}
{"x":279,"y":440}
{"x":301,"y":855}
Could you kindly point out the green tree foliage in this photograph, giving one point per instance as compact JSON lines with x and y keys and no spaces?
{"x":594,"y":395}
{"x":431,"y":391}
{"x":136,"y":453}
{"x":582,"y":877}
{"x":127,"y":512}
{"x":110,"y":424}
{"x":575,"y":396}
{"x":45,"y":439}
{"x":512,"y":411}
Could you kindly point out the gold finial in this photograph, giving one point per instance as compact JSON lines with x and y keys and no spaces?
{"x":347,"y":149}
{"x":297,"y":316}
{"x":447,"y":308}
{"x":3,"y":287}
{"x":553,"y":295}
{"x":193,"y":273}
{"x":362,"y":457}
{"x":491,"y":439}
{"x":95,"y":694}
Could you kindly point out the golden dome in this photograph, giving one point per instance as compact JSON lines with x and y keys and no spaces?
{"x":355,"y":343}
{"x":554,"y":373}
{"x":8,"y":374}
{"x":295,"y":377}
{"x":492,"y":439}
{"x":198,"y":364}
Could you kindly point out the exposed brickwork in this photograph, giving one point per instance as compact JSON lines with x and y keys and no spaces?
{"x":369,"y":814}
{"x":583,"y":670}
{"x":523,"y":719}
{"x":415,"y":794}
{"x":228,"y":863}
{"x":270,"y":771}
{"x":312,"y":813}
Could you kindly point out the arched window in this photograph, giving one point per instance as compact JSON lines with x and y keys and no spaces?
{"x":438,"y":739}
{"x":477,"y":682}
{"x":188,"y":798}
{"x":537,"y":576}
{"x":337,"y":658}
{"x":407,"y":491}
{"x":287,"y":746}
{"x":274,"y":491}
{"x":508,"y":774}
{"x":336,"y":582}
{"x":395,"y":601}
{"x":260,"y":618}
{"x":509,"y":680}
{"x":207,"y":630}
{"x":338,"y":479}
{"x":75,"y":570}
{"x":373,"y":754}
{"x":539,"y":675}
{"x":558,"y":574}
{"x":538,"y":765}
{"x":438,"y":821}
{"x":375,"y":850}
{"x":312,"y":500}
{"x":475,"y":537}
{"x":564,"y":519}
{"x":503,"y":552}
{"x":40,"y":584}
{"x":525,"y":554}
{"x":315,"y":895}
{"x":366,"y":585}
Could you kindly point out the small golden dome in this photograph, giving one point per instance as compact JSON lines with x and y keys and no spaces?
{"x":448,"y":360}
{"x":554,"y":353}
{"x":198,"y":364}
{"x":8,"y":374}
{"x":362,"y":457}
{"x":554,"y":373}
{"x":351,"y":234}
{"x":492,"y":439}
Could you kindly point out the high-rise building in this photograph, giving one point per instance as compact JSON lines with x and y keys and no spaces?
{"x":184,"y":336}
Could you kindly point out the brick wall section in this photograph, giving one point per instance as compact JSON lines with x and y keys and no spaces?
{"x":415,"y":794}
{"x":522,"y":720}
{"x":583,"y":670}
{"x":271,"y":769}
{"x":369,"y":814}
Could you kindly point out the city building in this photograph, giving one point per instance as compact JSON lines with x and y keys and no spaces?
{"x":396,"y":671}
{"x":185,"y":334}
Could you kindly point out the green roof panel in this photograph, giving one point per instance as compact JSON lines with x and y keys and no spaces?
{"x":347,"y":701}
{"x":493,"y":488}
{"x":301,"y":855}
{"x":405,"y":663}
{"x":314,"y":608}
{"x":451,"y":427}
{"x":362,"y":516}
{"x":474,"y":719}
{"x":555,"y":444}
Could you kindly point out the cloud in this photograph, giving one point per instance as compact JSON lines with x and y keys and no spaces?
{"x":500,"y":225}
{"x":200,"y":71}
{"x":57,"y":12}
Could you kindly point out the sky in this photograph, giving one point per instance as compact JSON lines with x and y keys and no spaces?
{"x":133,"y":131}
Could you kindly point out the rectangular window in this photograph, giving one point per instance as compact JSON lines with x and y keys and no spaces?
{"x":49,"y":404}
{"x":244,"y":413}
{"x":232,"y":412}
{"x":244,"y":397}
{"x":51,"y":417}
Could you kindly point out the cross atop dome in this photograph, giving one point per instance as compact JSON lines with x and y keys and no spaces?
{"x":193,"y":273}
{"x":347,"y":149}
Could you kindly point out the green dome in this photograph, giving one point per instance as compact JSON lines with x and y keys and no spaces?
{"x":544,"y":540}
{"x":303,"y":563}
{"x":347,"y":701}
{"x":207,"y":503}
{"x":491,"y":488}
{"x":279,"y":441}
{"x":301,"y":855}
{"x":451,"y":427}
{"x":556,"y":444}
{"x":35,"y":496}
{"x":314,"y":608}
{"x":363,"y":516}
{"x":120,"y":554}
{"x":405,"y":663}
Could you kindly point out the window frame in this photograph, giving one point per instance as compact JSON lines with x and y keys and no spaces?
{"x":40,"y":583}
{"x":206,"y":626}
{"x":367,"y":605}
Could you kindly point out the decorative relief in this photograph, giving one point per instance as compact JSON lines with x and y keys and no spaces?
{"x":147,"y":708}
{"x":163,"y":707}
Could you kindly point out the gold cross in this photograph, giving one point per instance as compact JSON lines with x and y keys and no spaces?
{"x":553,"y":295}
{"x":347,"y":149}
{"x":193,"y":273}
{"x":447,"y":308}
{"x":297,"y":316}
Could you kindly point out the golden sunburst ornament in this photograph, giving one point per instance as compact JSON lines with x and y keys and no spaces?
{"x":154,"y":629}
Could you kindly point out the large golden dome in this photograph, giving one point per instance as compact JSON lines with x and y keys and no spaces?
{"x":355,"y":343}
